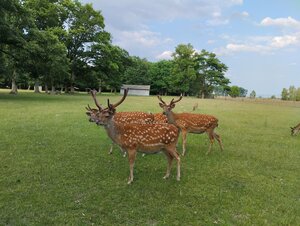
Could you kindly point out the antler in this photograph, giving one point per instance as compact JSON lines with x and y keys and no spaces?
{"x":88,"y":108}
{"x":161,"y":100}
{"x":93,"y":92}
{"x":120,"y":101}
{"x":175,"y":101}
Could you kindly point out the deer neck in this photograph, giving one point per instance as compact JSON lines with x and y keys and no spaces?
{"x":171,"y":116}
{"x":112,"y":130}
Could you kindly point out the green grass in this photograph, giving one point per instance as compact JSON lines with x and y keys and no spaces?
{"x":55,"y":168}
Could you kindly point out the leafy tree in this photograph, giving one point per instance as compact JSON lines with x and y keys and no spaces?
{"x":253,"y":94}
{"x":45,"y":58}
{"x":159,"y":74}
{"x":284,"y":94}
{"x":110,"y":63}
{"x":14,"y":21}
{"x":234,"y":91}
{"x":184,"y":68}
{"x":84,"y":28}
{"x":210,"y":73}
{"x":243,"y":92}
{"x":137,"y":73}
{"x":292,"y":93}
{"x":298,"y":94}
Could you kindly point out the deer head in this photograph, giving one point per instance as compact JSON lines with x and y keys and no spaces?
{"x":167,"y":108}
{"x":295,"y":130}
{"x":103,"y":115}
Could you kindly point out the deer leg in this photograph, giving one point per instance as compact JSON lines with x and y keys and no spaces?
{"x":184,"y":132}
{"x":211,"y":139}
{"x":170,"y":159}
{"x":124,"y":152}
{"x":175,"y":154}
{"x":131,"y":159}
{"x":217,"y":136}
{"x":111,"y":149}
{"x":178,"y":165}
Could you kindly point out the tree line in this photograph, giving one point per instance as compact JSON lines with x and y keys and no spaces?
{"x":63,"y":45}
{"x":292,"y":93}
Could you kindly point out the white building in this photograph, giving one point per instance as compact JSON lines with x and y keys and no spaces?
{"x":139,"y":90}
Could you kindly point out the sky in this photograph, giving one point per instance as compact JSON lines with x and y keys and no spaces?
{"x":259,"y":40}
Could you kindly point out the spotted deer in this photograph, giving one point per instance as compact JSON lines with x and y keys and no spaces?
{"x":295,"y":130}
{"x":122,"y":117}
{"x":159,"y":118}
{"x":195,"y":106}
{"x":191,"y":123}
{"x":134,"y":137}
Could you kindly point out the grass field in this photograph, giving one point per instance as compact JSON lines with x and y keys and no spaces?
{"x":55,"y":168}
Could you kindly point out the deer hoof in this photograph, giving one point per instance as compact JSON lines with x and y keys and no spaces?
{"x":129,"y":182}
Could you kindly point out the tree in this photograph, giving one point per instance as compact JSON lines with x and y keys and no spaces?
{"x":243,"y":92}
{"x":184,"y":68}
{"x":234,"y":91}
{"x":284,"y":94}
{"x":45,"y":58}
{"x":84,"y":28}
{"x":253,"y":94}
{"x":14,"y":21}
{"x":298,"y":94}
{"x":109,"y":64}
{"x":292,"y":93}
{"x":160,"y":76}
{"x":210,"y":73}
{"x":49,"y":18}
{"x":137,"y":72}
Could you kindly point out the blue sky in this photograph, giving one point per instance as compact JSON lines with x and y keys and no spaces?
{"x":259,"y":40}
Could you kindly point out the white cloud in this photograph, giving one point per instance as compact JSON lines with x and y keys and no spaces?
{"x":217,"y":22}
{"x":283,"y":41}
{"x":283,"y":22}
{"x":244,"y":14}
{"x":211,"y":41}
{"x":260,"y":44}
{"x":240,"y":15}
{"x":140,"y":39}
{"x":144,"y":37}
{"x":165,"y":55}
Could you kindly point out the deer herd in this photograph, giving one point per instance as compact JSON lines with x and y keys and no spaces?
{"x":152,"y":133}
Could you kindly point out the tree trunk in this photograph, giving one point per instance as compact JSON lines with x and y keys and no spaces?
{"x":46,"y":88}
{"x":53,"y":89}
{"x":99,"y":90}
{"x":36,"y":87}
{"x":14,"y":88}
{"x":202,"y":95}
{"x":72,"y":90}
{"x":28,"y":87}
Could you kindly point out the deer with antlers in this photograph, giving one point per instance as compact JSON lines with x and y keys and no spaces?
{"x":191,"y":123}
{"x":124,"y":117}
{"x":133,"y":137}
{"x":295,"y":130}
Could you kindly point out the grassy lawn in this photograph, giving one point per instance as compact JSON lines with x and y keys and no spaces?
{"x":55,"y":168}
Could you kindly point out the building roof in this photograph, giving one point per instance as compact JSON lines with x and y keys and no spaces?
{"x":136,"y":87}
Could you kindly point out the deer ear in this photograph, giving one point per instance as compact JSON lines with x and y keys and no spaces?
{"x":172,"y":106}
{"x":88,"y":113}
{"x":161,"y":105}
{"x":112,"y":110}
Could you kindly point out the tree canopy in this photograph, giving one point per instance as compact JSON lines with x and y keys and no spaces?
{"x":63,"y":44}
